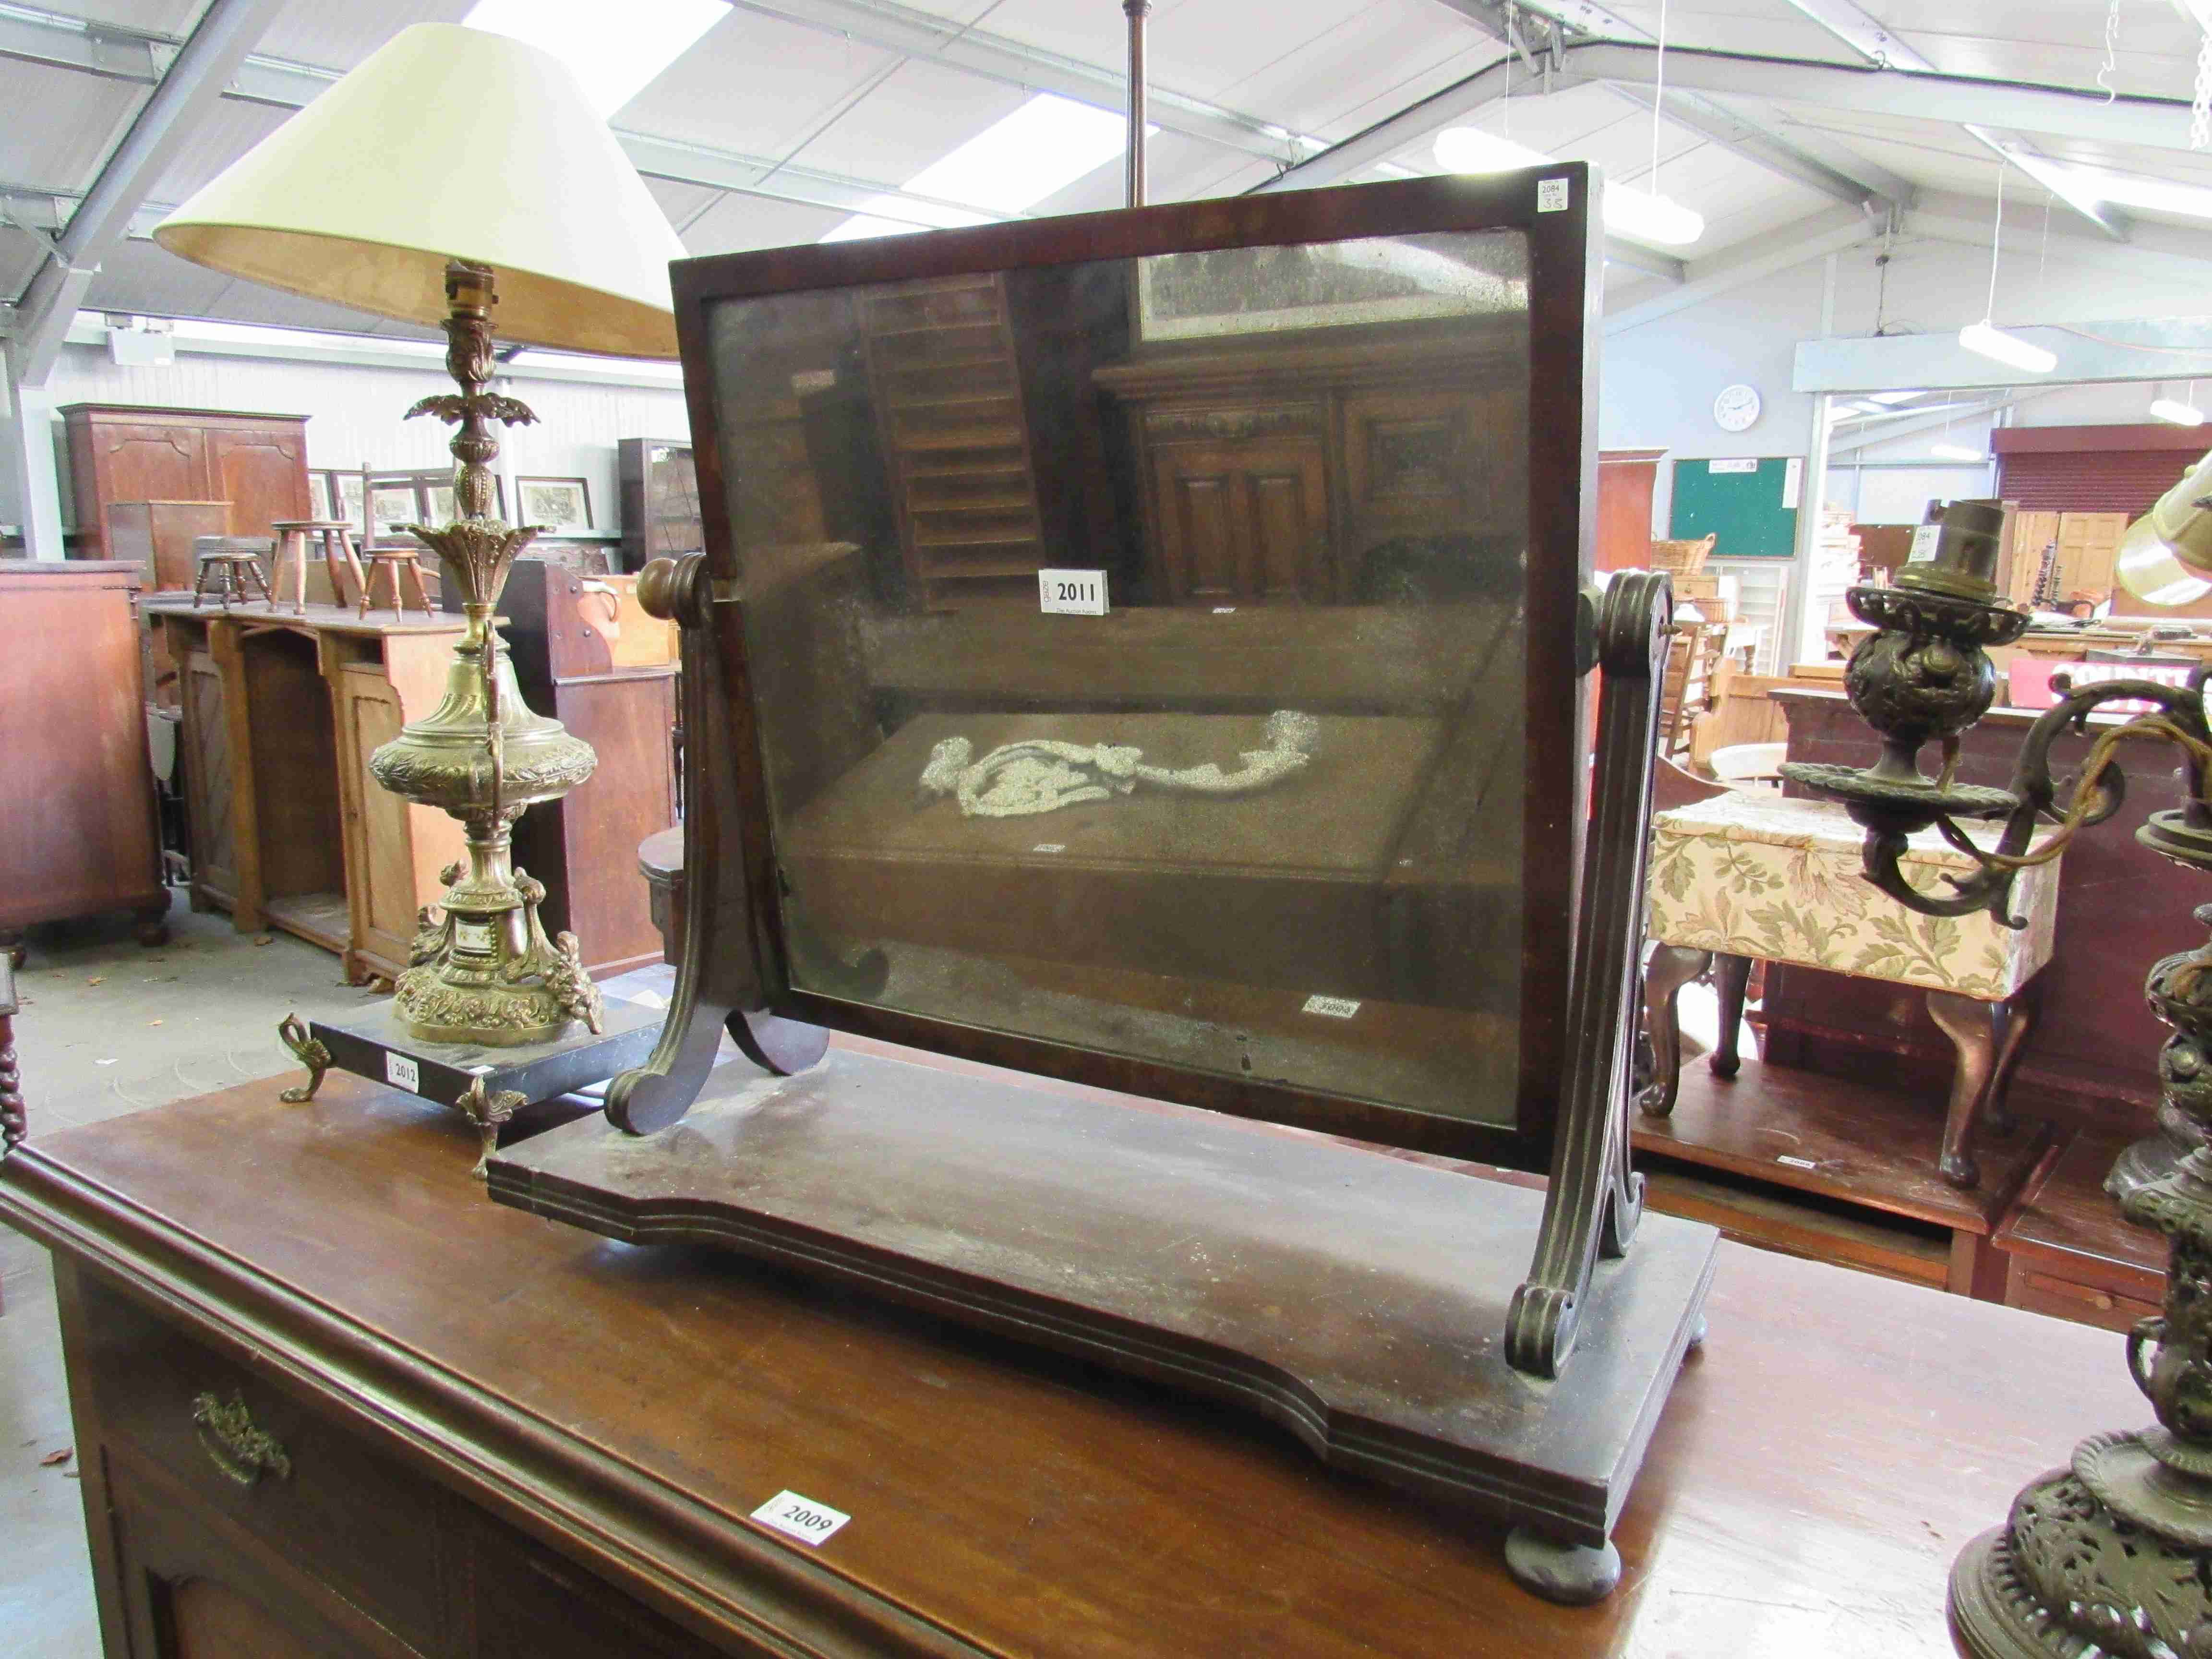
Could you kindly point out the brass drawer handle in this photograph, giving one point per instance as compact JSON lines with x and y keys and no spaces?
{"x":233,"y":1443}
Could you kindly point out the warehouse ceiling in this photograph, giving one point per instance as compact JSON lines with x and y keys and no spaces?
{"x":1784,"y":123}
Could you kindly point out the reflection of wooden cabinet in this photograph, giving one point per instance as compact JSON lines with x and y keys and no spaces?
{"x":128,"y":453}
{"x":1276,"y":473}
{"x":1243,"y":524}
{"x":288,"y":828}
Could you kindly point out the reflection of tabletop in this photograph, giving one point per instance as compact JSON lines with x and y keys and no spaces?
{"x":1745,"y":877}
{"x":508,"y":1435}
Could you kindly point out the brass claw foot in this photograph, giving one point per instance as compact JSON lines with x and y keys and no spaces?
{"x":487,"y":1111}
{"x":309,"y":1053}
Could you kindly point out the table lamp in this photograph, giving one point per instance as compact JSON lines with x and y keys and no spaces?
{"x":455,"y":173}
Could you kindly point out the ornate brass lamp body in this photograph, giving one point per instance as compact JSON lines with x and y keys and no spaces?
{"x":481,"y":970}
{"x":358,"y":199}
{"x":2113,"y":1553}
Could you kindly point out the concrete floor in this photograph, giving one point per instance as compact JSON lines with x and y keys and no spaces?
{"x":108,"y":1028}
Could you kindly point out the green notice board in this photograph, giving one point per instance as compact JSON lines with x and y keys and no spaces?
{"x":1751,"y":504}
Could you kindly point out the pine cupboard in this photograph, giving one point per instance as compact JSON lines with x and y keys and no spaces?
{"x":134,"y":452}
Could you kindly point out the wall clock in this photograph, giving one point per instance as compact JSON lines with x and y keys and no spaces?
{"x":1736,"y":407}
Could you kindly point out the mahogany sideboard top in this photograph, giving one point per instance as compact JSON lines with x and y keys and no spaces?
{"x":619,"y":1411}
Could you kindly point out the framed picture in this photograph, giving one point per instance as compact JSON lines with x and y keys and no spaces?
{"x":1260,"y":290}
{"x":561,"y":503}
{"x":394,"y":504}
{"x":345,"y":497}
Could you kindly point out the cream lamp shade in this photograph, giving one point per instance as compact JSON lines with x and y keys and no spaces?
{"x":449,"y":143}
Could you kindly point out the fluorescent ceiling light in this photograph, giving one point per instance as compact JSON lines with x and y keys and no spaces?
{"x":2181,"y":414}
{"x":1636,"y":213}
{"x":1955,"y":453}
{"x":1896,"y":396}
{"x":1990,"y":341}
{"x":615,"y":51}
{"x":1043,"y":147}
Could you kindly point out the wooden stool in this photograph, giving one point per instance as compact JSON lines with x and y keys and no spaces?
{"x":226,"y":558}
{"x":400,"y":562}
{"x":293,"y":536}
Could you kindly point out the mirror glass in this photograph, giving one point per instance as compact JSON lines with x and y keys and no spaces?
{"x":1138,"y":649}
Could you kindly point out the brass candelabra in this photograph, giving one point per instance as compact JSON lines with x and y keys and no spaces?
{"x":2113,"y":1553}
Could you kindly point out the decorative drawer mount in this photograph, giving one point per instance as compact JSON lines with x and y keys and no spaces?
{"x":233,"y":1442}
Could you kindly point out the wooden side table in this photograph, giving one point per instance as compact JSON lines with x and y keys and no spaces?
{"x":1745,"y":877}
{"x":336,"y":536}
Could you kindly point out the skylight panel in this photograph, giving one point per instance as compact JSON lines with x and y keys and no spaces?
{"x":615,"y":51}
{"x":1041,"y":148}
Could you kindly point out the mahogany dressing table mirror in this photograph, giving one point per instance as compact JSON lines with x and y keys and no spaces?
{"x":1152,"y":652}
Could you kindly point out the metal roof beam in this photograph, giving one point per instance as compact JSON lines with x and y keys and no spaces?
{"x":55,"y":40}
{"x":1829,"y":231}
{"x":219,"y":43}
{"x":1858,"y":183}
{"x":2126,"y":349}
{"x":1870,"y":37}
{"x":914,"y":33}
{"x":1832,"y":169}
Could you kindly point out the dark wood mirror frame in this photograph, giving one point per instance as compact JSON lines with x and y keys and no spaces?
{"x":740,"y":967}
{"x":952,"y":1190}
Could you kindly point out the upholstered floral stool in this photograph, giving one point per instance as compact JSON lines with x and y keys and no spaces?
{"x":1749,"y":877}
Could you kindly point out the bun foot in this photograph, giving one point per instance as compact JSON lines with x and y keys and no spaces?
{"x":1574,"y":1575}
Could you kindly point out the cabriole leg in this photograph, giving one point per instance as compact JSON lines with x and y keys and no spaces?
{"x":1671,"y":967}
{"x":1731,"y":975}
{"x":1972,"y":1027}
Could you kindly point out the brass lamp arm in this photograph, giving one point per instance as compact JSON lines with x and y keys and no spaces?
{"x":2098,"y":796}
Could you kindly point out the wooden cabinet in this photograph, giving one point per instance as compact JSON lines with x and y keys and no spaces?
{"x":1626,"y":481}
{"x":132,"y":452}
{"x":77,"y":825}
{"x":1314,"y":473}
{"x":585,"y":653}
{"x":289,"y":828}
{"x":660,"y":501}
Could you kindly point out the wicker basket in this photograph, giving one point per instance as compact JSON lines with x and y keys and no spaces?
{"x":1684,"y":558}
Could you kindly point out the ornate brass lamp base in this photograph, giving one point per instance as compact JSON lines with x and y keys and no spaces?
{"x":484,"y":972}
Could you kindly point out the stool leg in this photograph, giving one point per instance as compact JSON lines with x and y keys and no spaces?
{"x":1971,"y":1025}
{"x":413,"y":571}
{"x":1730,"y":975}
{"x":331,"y":567}
{"x":199,"y":586}
{"x":1671,"y":967}
{"x":369,"y":584}
{"x":353,"y":563}
{"x":296,"y":544}
{"x":255,"y":579}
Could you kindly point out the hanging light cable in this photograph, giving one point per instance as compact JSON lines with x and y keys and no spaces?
{"x":1985,"y":338}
